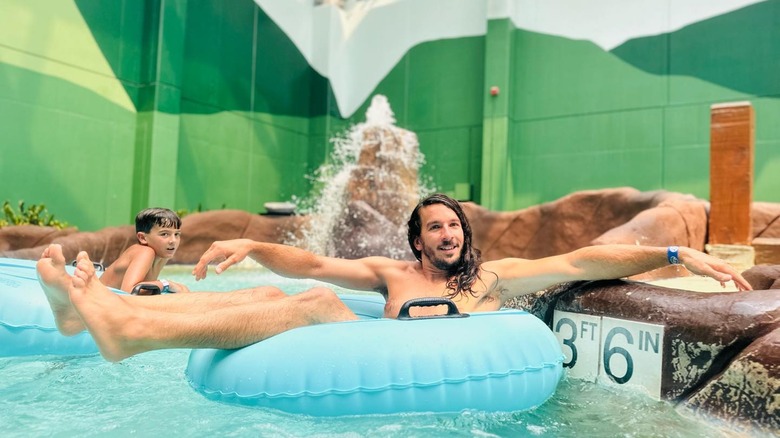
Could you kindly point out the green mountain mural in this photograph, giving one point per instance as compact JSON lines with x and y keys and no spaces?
{"x":739,"y":50}
{"x":227,"y":64}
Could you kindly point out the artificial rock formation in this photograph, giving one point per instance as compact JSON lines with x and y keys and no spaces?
{"x":199,"y":231}
{"x":746,"y":392}
{"x":381,"y":192}
{"x":385,"y":176}
{"x":103,"y":246}
{"x":763,"y":277}
{"x":28,"y":236}
{"x":765,"y":220}
{"x":595,"y":217}
{"x":622,"y":215}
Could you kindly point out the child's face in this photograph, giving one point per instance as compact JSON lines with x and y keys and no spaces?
{"x":163,"y":240}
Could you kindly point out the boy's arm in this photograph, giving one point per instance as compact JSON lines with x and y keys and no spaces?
{"x":519,"y":277}
{"x":141,"y":261}
{"x":292,"y":262}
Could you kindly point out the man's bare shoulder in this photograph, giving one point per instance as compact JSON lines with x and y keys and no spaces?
{"x":387,"y":264}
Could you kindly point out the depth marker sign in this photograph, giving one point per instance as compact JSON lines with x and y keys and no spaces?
{"x":609,"y":350}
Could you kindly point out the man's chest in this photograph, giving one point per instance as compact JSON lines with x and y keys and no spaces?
{"x":403,"y":290}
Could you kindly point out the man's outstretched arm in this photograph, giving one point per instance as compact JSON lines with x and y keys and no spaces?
{"x":600,"y":262}
{"x":292,"y":262}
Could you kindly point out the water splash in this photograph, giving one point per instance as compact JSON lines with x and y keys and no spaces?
{"x":366,"y":191}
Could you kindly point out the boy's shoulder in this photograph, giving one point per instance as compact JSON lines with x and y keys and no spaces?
{"x":137,"y":250}
{"x":137,"y":247}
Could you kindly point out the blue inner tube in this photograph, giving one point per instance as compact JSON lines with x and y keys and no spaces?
{"x":492,"y":361}
{"x":27,"y":325}
{"x":507,"y":360}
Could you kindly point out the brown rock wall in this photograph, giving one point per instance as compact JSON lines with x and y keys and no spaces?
{"x":622,"y":215}
{"x":199,"y":231}
{"x":763,"y":277}
{"x":681,"y":222}
{"x":766,"y":219}
{"x":747,"y":393}
{"x":27,"y":236}
{"x":103,"y":246}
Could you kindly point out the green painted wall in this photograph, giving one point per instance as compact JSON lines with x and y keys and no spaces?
{"x":582,"y":118}
{"x":109,"y":107}
{"x":206,"y":104}
{"x":436,"y":91}
{"x":68,"y":127}
{"x":246,"y":96}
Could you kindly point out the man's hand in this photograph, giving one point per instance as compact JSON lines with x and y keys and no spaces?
{"x":703,"y":264}
{"x":229,"y":251}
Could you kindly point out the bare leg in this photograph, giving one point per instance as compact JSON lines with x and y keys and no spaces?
{"x":55,"y":282}
{"x":122,"y":330}
{"x":205,"y":301}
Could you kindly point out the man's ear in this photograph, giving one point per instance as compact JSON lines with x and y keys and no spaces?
{"x":141,"y":236}
{"x":417,"y":244}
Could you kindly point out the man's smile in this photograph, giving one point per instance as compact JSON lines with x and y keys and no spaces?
{"x":449,"y":247}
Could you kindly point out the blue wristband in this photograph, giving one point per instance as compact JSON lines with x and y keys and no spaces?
{"x":673,"y":255}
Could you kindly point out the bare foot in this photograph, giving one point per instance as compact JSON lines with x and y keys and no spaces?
{"x":108,"y":317}
{"x":55,"y":283}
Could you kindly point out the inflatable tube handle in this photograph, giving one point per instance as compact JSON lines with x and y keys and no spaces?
{"x":452,"y":309}
{"x":98,"y":266}
{"x":145,"y":289}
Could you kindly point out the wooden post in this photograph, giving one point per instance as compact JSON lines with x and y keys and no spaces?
{"x":732,"y":140}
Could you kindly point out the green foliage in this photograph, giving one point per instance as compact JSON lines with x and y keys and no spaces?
{"x":35,"y":214}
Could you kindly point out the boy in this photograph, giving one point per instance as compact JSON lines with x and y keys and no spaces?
{"x":158,"y":234}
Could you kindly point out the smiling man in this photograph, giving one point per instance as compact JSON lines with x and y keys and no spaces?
{"x":447,"y":266}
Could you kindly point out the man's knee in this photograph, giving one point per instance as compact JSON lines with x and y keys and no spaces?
{"x":322,"y":299}
{"x":268,"y":292}
{"x":321,"y":304}
{"x":320,"y":294}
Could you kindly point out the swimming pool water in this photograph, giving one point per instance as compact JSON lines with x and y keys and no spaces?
{"x":147,"y":395}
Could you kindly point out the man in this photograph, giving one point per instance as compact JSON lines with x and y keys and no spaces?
{"x":447,"y":266}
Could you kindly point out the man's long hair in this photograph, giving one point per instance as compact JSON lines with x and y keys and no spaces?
{"x":466,"y":272}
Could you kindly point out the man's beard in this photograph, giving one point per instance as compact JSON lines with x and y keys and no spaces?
{"x":444,"y":265}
